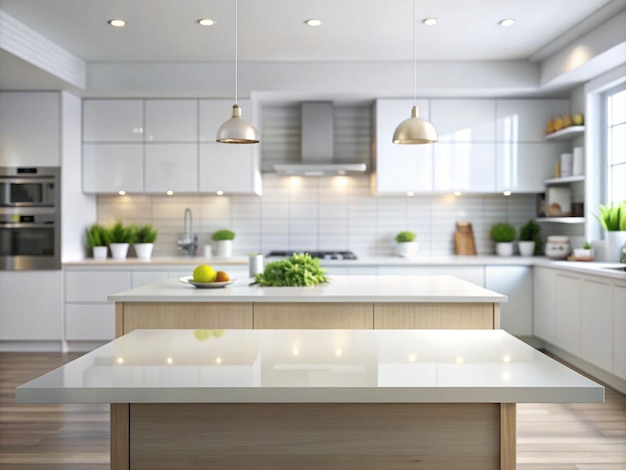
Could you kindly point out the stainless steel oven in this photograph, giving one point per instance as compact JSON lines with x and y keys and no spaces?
{"x":30,"y":216}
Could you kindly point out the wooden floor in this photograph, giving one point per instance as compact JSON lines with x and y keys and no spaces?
{"x":55,"y":437}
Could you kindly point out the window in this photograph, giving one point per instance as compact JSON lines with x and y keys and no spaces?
{"x":615,"y":103}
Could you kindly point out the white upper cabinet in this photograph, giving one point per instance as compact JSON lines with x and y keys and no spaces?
{"x":113,"y":120}
{"x":465,"y":167}
{"x":30,"y":129}
{"x":171,"y":167}
{"x":171,"y":121}
{"x":110,"y":168}
{"x":464,"y":120}
{"x":213,"y":113}
{"x":523,"y":167}
{"x":229,"y":168}
{"x":525,"y":120}
{"x":400,"y":168}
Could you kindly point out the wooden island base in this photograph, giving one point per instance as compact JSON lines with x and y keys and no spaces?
{"x":393,"y":436}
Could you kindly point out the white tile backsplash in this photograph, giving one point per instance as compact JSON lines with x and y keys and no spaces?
{"x":320,"y":213}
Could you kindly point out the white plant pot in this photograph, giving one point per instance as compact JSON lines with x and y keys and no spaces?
{"x":143,"y":250}
{"x":504,"y":249}
{"x":615,"y":240}
{"x":100,"y":252}
{"x":119,"y":250}
{"x":224,"y":248}
{"x":407,"y":249}
{"x":526,"y":248}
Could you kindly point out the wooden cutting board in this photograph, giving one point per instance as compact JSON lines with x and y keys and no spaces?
{"x":464,"y":239}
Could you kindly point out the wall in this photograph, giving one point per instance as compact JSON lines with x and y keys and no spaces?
{"x":320,"y":213}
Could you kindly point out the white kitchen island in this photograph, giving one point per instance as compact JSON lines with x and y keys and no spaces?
{"x":332,"y":399}
{"x":346,"y":302}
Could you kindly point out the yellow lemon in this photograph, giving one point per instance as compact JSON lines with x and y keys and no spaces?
{"x":218,"y":333}
{"x":202,"y":335}
{"x":204,"y":273}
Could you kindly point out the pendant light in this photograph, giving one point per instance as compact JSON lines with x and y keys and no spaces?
{"x":414,"y":130}
{"x":237,"y":130}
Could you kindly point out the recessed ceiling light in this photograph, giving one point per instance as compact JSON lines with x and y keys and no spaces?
{"x":117,"y":23}
{"x":430,"y":21}
{"x":313,"y":22}
{"x":507,"y":22}
{"x":206,"y":22}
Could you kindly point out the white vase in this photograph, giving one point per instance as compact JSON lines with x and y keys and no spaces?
{"x":407,"y":249}
{"x":143,"y":250}
{"x":119,"y":250}
{"x":100,"y":252}
{"x":504,"y":249}
{"x":615,"y":241}
{"x":526,"y":248}
{"x":224,"y":248}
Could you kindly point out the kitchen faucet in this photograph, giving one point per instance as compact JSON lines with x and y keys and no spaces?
{"x":189,"y":242}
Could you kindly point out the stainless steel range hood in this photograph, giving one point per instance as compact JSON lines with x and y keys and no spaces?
{"x":318,"y":145}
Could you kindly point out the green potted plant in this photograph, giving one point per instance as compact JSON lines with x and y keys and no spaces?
{"x":120,"y":238}
{"x":144,"y":238}
{"x":223,"y":239}
{"x":504,"y":235}
{"x":97,"y":239}
{"x":406,"y":245}
{"x":530,"y":239}
{"x":585,"y":253}
{"x":613,"y":221}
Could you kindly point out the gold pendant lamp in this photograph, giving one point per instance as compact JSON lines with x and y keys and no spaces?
{"x":415,"y":130}
{"x":237,"y":130}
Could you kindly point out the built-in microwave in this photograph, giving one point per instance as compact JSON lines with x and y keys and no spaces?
{"x":28,"y":187}
{"x":30,"y":216}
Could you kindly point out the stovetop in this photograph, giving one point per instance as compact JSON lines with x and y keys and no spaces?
{"x":338,"y":255}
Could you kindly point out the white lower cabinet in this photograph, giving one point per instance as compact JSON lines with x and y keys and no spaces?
{"x":619,"y":330}
{"x":568,"y":314}
{"x":88,"y":314}
{"x":31,"y":306}
{"x":584,"y":316}
{"x":544,"y":318}
{"x":516,"y":282}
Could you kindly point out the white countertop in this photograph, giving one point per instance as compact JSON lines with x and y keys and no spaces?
{"x":593,"y":267}
{"x":313,"y":366}
{"x":338,"y":289}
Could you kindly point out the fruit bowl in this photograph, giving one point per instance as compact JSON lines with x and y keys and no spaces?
{"x":205,"y":285}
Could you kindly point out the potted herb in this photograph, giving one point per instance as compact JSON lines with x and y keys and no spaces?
{"x":223,"y":239}
{"x":406,"y":246}
{"x":585,"y":253}
{"x":504,"y":235}
{"x":613,"y":221}
{"x":97,"y":239}
{"x":120,"y":238}
{"x":529,"y":239}
{"x":145,"y":236}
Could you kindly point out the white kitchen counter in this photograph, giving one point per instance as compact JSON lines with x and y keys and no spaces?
{"x":596,"y":268}
{"x":312,"y":366}
{"x":415,"y":289}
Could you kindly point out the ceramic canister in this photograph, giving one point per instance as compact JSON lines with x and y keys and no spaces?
{"x":558,"y":247}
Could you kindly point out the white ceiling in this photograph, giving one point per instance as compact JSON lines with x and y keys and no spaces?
{"x":273,"y":30}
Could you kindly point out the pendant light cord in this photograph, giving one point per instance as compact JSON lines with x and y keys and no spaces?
{"x":414,"y":60}
{"x":236,"y":46}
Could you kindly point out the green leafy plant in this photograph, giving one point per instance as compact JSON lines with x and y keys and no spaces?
{"x":145,"y":233}
{"x":223,"y":234}
{"x":613,"y":218}
{"x":119,"y":233}
{"x":586,"y":246}
{"x":97,"y":235}
{"x":531,"y":232}
{"x":300,"y":269}
{"x":405,"y":236}
{"x":503,"y":233}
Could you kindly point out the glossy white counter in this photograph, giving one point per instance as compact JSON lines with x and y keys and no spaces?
{"x":339,"y":289}
{"x":312,"y":366}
